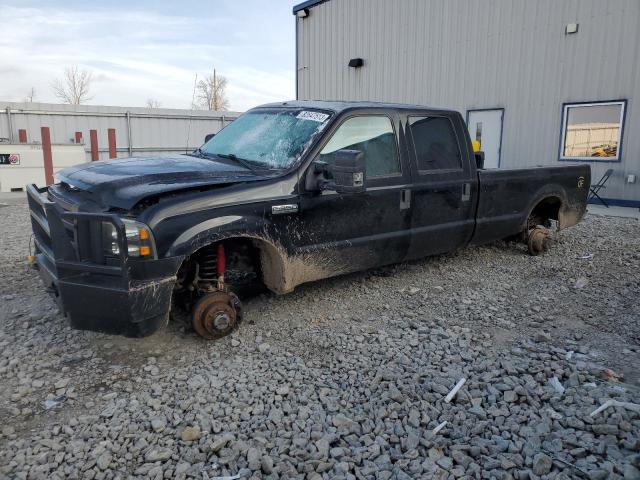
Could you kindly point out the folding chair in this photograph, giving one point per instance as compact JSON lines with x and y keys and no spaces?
{"x":595,"y":188}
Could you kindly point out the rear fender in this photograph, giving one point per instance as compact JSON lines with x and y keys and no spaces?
{"x":568,"y":214}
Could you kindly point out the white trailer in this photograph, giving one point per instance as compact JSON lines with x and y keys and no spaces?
{"x":23,"y":163}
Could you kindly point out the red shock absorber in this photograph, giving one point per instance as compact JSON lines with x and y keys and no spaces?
{"x":221,"y":266}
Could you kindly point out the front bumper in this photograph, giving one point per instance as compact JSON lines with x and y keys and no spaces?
{"x":124,"y":297}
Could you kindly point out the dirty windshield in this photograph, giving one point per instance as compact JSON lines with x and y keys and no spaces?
{"x":268,"y":138}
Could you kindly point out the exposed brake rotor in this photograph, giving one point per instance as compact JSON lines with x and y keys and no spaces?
{"x":538,"y":241}
{"x":216,"y":315}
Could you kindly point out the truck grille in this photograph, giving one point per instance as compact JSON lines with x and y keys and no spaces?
{"x":40,"y":223}
{"x":70,"y":241}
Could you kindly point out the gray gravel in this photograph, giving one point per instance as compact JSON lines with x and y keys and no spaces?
{"x":344,"y":378}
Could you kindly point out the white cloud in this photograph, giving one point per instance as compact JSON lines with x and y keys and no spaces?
{"x":135,"y":55}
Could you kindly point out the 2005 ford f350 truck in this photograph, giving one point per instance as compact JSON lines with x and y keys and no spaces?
{"x":286,"y":194}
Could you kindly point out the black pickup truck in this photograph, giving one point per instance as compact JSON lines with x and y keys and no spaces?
{"x":286,"y":194}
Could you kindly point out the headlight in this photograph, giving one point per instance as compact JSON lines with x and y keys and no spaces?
{"x":139,"y":240}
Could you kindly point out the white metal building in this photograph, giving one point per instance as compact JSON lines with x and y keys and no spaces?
{"x":139,"y":131}
{"x":540,"y":82}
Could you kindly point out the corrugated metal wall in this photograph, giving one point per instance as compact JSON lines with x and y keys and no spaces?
{"x":153,"y":131}
{"x":470,"y":54}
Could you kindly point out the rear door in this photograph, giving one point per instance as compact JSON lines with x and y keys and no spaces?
{"x":444,"y":186}
{"x":485,"y":126}
{"x":357,"y":231}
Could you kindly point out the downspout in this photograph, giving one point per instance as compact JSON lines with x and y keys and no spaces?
{"x":128,"y":114}
{"x":10,"y":124}
{"x":296,"y":62}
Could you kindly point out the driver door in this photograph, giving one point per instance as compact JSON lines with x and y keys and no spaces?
{"x":349,"y":232}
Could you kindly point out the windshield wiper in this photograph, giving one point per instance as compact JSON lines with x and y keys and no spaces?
{"x":197,"y":153}
{"x":245,"y":163}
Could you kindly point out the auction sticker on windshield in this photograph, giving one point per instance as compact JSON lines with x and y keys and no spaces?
{"x":315,"y":116}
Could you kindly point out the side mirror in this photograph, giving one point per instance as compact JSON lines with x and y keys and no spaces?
{"x":209,"y":137}
{"x":479,"y":160}
{"x":349,"y":171}
{"x":346,"y":174}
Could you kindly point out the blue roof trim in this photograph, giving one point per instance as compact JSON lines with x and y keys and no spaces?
{"x":616,"y":202}
{"x":307,"y":4}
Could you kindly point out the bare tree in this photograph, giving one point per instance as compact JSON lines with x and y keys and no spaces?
{"x":212,"y":92}
{"x":30,"y":96}
{"x":153,"y":103}
{"x":74,"y":87}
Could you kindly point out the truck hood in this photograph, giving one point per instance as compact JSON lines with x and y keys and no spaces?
{"x":124,"y":182}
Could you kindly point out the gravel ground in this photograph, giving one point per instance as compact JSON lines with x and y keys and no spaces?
{"x":344,"y":378}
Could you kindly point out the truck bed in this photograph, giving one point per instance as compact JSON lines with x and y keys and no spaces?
{"x":507,"y":197}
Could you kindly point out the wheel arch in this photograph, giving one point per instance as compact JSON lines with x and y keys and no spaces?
{"x":273,"y":257}
{"x":548,"y":208}
{"x":551,"y":203}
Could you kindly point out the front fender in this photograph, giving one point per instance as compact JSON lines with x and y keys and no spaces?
{"x":280,"y":271}
{"x":216,"y":229}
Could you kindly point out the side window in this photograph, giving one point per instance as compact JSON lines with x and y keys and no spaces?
{"x":372,"y":135}
{"x":435,"y":143}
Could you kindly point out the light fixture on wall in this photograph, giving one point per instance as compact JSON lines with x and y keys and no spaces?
{"x":356,"y":62}
{"x":571,"y":28}
{"x":303,"y":13}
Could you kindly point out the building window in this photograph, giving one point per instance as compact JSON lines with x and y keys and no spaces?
{"x":592,"y":131}
{"x":373,"y":136}
{"x":435,"y":143}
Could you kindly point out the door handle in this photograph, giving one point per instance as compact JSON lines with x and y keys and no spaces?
{"x":405,"y":198}
{"x":466,"y":192}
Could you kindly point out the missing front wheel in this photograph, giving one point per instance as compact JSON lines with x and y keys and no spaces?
{"x":216,"y":315}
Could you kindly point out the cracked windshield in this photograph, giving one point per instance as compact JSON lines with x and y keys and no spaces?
{"x":268,"y":138}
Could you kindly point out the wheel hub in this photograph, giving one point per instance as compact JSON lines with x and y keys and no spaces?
{"x":221,"y":321}
{"x":216,"y":314}
{"x":538,"y":241}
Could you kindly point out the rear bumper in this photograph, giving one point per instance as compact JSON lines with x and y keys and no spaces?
{"x":131,"y":299}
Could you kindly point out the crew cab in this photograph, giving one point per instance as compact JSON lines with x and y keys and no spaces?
{"x":286,"y":194}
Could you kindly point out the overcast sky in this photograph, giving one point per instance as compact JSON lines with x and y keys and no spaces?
{"x":149,"y":49}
